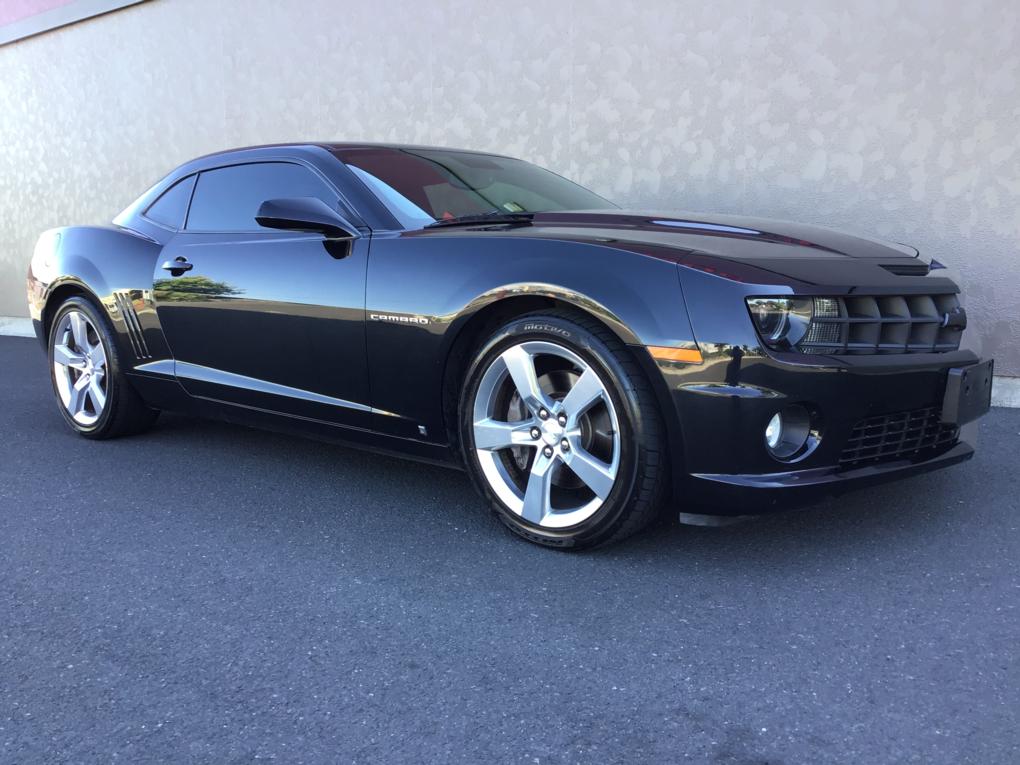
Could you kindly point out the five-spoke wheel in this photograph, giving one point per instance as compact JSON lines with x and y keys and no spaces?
{"x":559,"y":432}
{"x":546,"y":434}
{"x":79,"y":367}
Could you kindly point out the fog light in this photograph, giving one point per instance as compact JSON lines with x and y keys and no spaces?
{"x":788,"y":434}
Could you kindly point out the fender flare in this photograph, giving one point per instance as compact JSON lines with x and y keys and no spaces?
{"x":542,"y":290}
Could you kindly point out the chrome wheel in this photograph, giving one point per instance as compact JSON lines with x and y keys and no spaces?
{"x":546,"y":434}
{"x":79,"y":368}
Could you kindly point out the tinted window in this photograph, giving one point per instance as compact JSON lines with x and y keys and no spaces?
{"x":172,"y":206}
{"x":422,"y":185}
{"x":227,"y":199}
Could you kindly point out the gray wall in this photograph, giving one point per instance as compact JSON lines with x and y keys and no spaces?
{"x":897,"y":118}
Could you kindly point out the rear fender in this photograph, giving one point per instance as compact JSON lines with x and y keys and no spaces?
{"x":112,"y":266}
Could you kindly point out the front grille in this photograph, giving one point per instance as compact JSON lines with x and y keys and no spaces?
{"x":892,"y":436}
{"x":884,"y":324}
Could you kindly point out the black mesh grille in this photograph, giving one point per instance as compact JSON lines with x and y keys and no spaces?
{"x":823,"y":335}
{"x":891,"y":436}
{"x":885,"y":324}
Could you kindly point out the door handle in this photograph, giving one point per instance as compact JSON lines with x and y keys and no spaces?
{"x":177,"y":266}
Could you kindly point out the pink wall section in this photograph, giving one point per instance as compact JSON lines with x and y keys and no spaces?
{"x":16,"y":10}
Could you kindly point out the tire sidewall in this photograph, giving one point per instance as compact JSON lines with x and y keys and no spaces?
{"x":112,"y":365}
{"x":603,"y":523}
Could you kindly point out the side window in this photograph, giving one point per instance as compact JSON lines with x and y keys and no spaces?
{"x":172,"y":206}
{"x":227,"y":199}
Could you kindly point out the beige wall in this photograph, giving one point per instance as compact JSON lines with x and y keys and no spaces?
{"x":898,"y":118}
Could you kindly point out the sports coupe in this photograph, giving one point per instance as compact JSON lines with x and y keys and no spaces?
{"x":588,"y":366}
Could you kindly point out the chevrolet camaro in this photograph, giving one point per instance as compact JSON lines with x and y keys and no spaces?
{"x":588,"y":366}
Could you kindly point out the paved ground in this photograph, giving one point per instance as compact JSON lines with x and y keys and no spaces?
{"x":207,"y":593}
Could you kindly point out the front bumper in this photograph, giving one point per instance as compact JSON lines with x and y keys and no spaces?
{"x":723,"y":406}
{"x":729,"y":494}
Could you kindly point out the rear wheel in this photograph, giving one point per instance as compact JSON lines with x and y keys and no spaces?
{"x":560,"y":432}
{"x":95,"y":398}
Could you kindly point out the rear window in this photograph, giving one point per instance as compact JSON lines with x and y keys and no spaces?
{"x":420,"y":186}
{"x":172,"y":206}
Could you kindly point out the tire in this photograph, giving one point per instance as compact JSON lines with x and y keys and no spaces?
{"x":601,"y":468}
{"x":93,"y":395}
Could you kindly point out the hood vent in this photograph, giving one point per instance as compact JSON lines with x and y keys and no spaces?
{"x":907,"y":269}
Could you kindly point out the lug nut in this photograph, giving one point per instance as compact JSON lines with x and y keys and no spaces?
{"x":562,"y":419}
{"x":535,"y":434}
{"x":543,"y":414}
{"x":547,"y":451}
{"x":565,"y":445}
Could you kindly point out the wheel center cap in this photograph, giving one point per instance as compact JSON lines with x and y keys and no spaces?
{"x":552,"y":432}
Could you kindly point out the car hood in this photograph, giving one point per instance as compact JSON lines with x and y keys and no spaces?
{"x":807,"y":253}
{"x":728,"y":235}
{"x":746,"y":249}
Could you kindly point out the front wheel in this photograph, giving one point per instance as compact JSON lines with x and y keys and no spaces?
{"x":561,"y":433}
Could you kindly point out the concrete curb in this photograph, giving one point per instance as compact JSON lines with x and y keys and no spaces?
{"x":16,"y":327}
{"x":1005,"y":390}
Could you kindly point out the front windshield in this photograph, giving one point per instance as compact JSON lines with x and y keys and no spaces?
{"x":422,"y":186}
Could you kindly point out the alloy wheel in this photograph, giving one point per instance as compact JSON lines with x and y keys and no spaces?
{"x":80,"y":368}
{"x":546,"y":434}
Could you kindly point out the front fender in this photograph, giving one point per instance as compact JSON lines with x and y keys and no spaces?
{"x":441,"y":282}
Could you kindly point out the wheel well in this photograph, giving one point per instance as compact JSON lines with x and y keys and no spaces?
{"x":474,"y":332}
{"x":57,"y":298}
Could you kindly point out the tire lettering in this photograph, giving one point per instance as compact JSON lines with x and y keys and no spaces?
{"x":546,"y":328}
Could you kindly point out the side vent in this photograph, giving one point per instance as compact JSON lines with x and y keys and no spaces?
{"x":133,"y":325}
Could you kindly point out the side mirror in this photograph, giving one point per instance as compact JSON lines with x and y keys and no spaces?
{"x":304,"y":214}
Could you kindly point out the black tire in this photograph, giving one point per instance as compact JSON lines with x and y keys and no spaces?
{"x":635,"y":499}
{"x":124,"y":413}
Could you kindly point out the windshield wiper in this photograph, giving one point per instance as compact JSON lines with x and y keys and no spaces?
{"x":494,"y":216}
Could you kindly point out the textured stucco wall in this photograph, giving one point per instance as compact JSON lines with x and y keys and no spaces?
{"x":898,"y":118}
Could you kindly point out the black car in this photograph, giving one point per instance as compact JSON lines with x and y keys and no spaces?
{"x":587,"y":365}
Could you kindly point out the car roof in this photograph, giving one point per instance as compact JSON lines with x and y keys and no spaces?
{"x":346,"y":145}
{"x":308,"y":151}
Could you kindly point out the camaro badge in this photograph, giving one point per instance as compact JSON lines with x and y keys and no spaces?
{"x":398,"y":318}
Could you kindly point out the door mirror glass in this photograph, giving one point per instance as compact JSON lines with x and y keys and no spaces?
{"x":304,"y":214}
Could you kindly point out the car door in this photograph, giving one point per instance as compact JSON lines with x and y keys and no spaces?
{"x":264,"y":318}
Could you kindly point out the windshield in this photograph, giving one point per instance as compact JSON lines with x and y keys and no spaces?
{"x":421,"y":186}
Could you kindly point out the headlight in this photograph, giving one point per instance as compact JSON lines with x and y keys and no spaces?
{"x":781,"y":321}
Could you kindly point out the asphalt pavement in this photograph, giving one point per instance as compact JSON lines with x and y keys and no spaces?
{"x":209,"y":593}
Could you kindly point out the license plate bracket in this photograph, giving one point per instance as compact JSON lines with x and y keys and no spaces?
{"x":968,"y":393}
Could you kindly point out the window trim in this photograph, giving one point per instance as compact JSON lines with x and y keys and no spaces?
{"x":341,"y":202}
